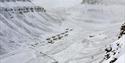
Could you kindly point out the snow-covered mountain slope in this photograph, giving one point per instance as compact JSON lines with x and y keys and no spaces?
{"x":24,"y":24}
{"x":78,"y":33}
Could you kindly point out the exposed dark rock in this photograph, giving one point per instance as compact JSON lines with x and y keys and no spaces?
{"x":112,"y":61}
{"x":109,"y":49}
{"x":107,"y":56}
{"x":122,"y":30}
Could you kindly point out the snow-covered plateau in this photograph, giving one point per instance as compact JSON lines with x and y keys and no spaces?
{"x":62,"y":31}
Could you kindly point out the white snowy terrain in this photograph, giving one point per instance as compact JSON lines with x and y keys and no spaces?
{"x":62,"y":31}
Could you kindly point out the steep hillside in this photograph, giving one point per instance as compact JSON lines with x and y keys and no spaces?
{"x":24,"y":24}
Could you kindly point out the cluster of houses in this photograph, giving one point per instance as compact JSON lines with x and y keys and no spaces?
{"x":54,"y":38}
{"x":59,"y":36}
{"x":15,"y":0}
{"x":24,"y":9}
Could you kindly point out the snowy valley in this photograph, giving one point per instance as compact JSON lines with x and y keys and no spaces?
{"x":62,"y":31}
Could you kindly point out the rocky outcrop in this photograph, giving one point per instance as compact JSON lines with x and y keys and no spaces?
{"x":122,"y":30}
{"x":114,"y":50}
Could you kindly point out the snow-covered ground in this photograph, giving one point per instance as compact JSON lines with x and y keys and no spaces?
{"x":68,"y":32}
